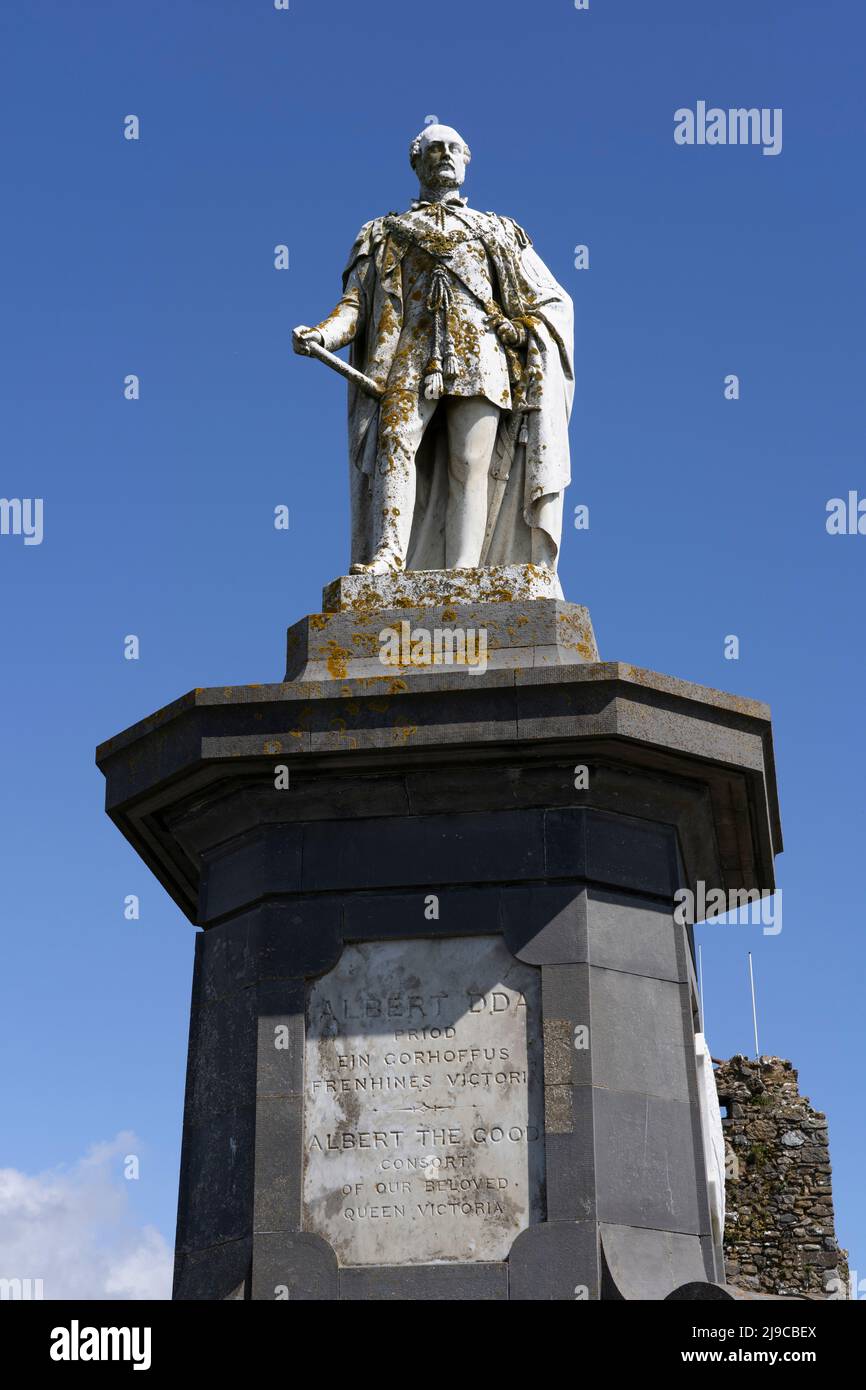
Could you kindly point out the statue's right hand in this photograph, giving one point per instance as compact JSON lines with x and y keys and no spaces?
{"x":302,"y":336}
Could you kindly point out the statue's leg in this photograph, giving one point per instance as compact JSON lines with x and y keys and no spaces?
{"x":472,"y":425}
{"x":403,"y":418}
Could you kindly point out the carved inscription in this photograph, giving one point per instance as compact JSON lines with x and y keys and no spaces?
{"x":423,"y":1128}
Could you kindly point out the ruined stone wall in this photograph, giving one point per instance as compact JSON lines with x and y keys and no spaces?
{"x":779,"y":1228}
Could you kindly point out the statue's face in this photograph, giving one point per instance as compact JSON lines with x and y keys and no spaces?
{"x":442,"y":160}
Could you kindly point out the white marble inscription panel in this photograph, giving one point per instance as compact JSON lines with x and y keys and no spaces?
{"x":423,"y":1111}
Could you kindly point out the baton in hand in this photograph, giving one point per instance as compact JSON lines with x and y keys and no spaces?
{"x":338,"y":365}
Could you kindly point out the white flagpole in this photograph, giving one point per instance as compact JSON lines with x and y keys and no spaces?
{"x":754,"y":1008}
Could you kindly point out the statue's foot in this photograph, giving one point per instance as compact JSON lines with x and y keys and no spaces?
{"x":383,"y":562}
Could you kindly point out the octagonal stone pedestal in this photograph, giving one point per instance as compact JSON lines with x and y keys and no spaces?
{"x":431,"y":864}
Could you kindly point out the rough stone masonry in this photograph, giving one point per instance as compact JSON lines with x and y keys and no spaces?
{"x":779,"y":1229}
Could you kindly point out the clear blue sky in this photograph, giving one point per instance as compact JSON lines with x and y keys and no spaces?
{"x":155,"y":257}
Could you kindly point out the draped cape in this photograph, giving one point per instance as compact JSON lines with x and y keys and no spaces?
{"x":538,"y":467}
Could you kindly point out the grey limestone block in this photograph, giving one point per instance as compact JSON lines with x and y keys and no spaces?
{"x":511,"y":616}
{"x":499,"y":584}
{"x":649,"y":1264}
{"x":279,"y":1143}
{"x":637,"y":1035}
{"x":648,"y":1171}
{"x":631,"y":933}
{"x":280,"y":1007}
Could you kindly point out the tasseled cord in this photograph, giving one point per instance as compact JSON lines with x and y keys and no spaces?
{"x":434,"y":382}
{"x":438,"y":302}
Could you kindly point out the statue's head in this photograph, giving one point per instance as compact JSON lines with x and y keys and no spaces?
{"x":439,"y":157}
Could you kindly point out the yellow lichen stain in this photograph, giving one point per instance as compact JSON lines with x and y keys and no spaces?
{"x":272,"y":745}
{"x":337,"y":661}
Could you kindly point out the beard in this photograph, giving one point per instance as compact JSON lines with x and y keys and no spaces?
{"x":443,"y":178}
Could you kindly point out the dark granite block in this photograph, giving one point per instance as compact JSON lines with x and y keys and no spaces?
{"x":475,"y":1283}
{"x":216,"y":1184}
{"x":296,"y":937}
{"x":434,"y":850}
{"x":568,"y":1032}
{"x":565,"y":843}
{"x":631,"y":854}
{"x":492,"y":786}
{"x":293,"y":1267}
{"x":225,"y":960}
{"x":545,"y":925}
{"x":244,"y":871}
{"x":459,"y":912}
{"x":572,"y":1176}
{"x":222,"y":1057}
{"x":221,"y":1272}
{"x":557,"y":1261}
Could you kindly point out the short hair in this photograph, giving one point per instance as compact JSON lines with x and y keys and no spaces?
{"x":415,"y":147}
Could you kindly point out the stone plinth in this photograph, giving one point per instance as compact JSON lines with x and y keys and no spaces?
{"x":441,"y":588}
{"x":358,"y":642}
{"x":437,"y":928}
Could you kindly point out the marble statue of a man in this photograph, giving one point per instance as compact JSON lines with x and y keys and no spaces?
{"x":459,"y":447}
